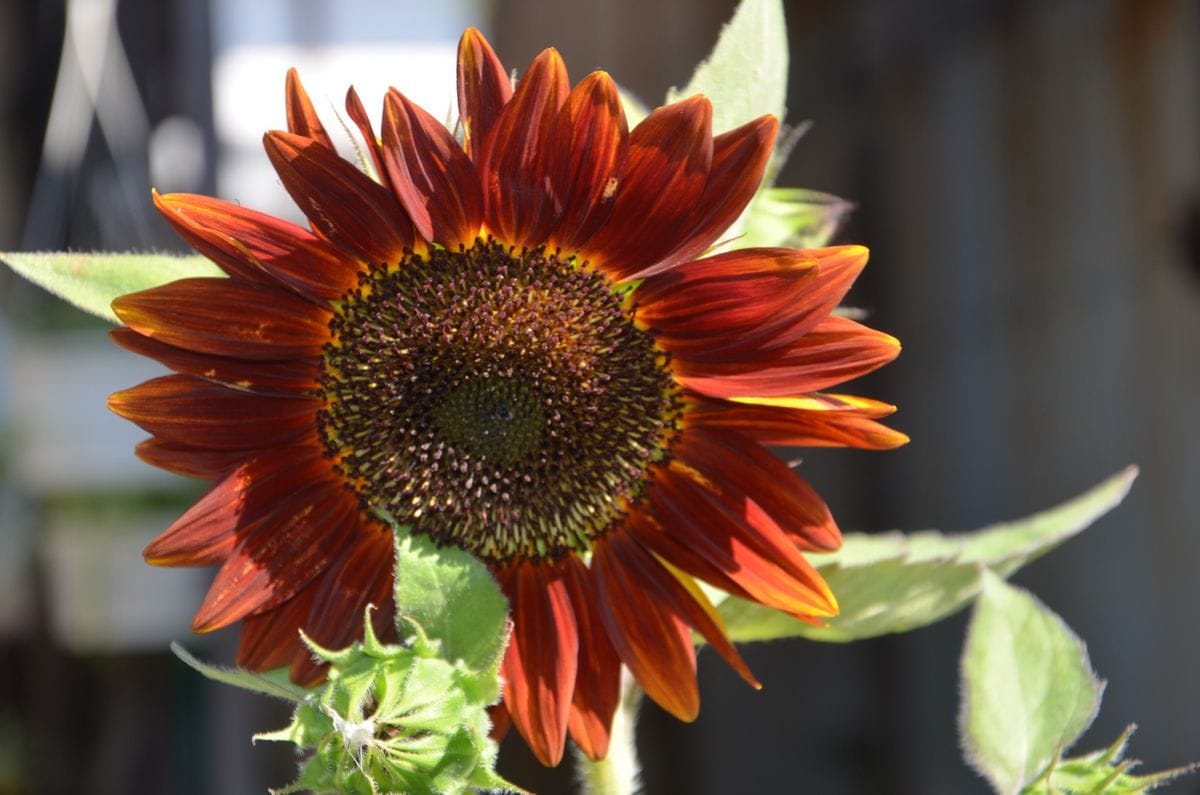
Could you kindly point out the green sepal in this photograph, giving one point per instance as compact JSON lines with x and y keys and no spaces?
{"x":1105,"y":771}
{"x":92,"y":281}
{"x":895,"y":583}
{"x":1028,"y":689}
{"x":271,"y":683}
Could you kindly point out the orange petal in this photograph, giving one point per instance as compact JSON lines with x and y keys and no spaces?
{"x":197,"y":413}
{"x":362,"y":575}
{"x":356,"y":213}
{"x":722,"y":307}
{"x":765,"y":491}
{"x":258,"y":247}
{"x":430,"y":174}
{"x":542,"y":658}
{"x":590,"y":144}
{"x":483,"y":89}
{"x":271,"y":639}
{"x":193,"y":462}
{"x":280,"y":554}
{"x":516,"y":164}
{"x":208,"y":531}
{"x":358,"y":114}
{"x":835,"y":350}
{"x":598,"y":682}
{"x":282,"y":379}
{"x":783,"y":425}
{"x":668,"y":590}
{"x":701,"y":534}
{"x":653,"y":642}
{"x":660,"y":182}
{"x":301,"y":118}
{"x":227,"y":318}
{"x":739,"y":159}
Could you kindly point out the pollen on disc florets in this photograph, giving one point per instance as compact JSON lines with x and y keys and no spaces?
{"x":502,"y":401}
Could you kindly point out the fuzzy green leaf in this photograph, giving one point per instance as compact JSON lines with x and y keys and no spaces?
{"x":894,"y":583}
{"x":92,"y":281}
{"x":745,"y":75}
{"x":1028,"y":687}
{"x":452,"y":599}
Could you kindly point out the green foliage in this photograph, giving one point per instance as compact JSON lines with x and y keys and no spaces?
{"x":449,"y":603}
{"x":793,"y":217}
{"x":1028,"y":687}
{"x":92,"y":281}
{"x":895,"y":583}
{"x":1101,"y":772}
{"x":745,"y":75}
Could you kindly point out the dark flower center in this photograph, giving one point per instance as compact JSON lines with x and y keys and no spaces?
{"x":504,"y":402}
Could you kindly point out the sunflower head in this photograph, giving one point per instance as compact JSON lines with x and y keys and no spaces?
{"x":511,"y":344}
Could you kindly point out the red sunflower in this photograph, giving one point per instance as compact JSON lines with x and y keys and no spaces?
{"x":510,"y":345}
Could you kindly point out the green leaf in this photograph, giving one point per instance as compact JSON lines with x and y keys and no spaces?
{"x":453,"y":600}
{"x":1028,"y":687}
{"x":272,"y":683}
{"x":1104,"y":771}
{"x":894,"y":582}
{"x":793,"y":217}
{"x":745,"y":75}
{"x":92,"y":281}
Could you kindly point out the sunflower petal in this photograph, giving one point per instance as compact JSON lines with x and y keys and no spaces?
{"x":765,"y":491}
{"x":272,"y":638}
{"x":542,"y":658}
{"x":598,"y":682}
{"x":661,"y":181}
{"x":208,"y":531}
{"x":280,"y":554}
{"x":257,"y":247}
{"x":226,"y":318}
{"x":738,"y":162}
{"x":302,"y":119}
{"x":430,"y":174}
{"x":197,"y":413}
{"x":483,"y":89}
{"x":653,"y":642}
{"x":357,"y":214}
{"x":782,"y":425}
{"x":591,"y":140}
{"x":835,"y":350}
{"x":702,"y":535}
{"x":358,"y":115}
{"x":193,"y":462}
{"x":515,"y":168}
{"x":360,"y":576}
{"x":722,"y":307}
{"x":281,"y":379}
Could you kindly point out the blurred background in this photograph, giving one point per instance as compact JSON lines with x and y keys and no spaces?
{"x":1027,"y":175}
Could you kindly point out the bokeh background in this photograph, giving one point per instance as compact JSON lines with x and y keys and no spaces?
{"x":1027,"y":175}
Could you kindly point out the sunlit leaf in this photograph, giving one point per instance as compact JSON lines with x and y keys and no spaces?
{"x":894,"y":582}
{"x":92,"y":281}
{"x":452,"y":599}
{"x":1028,"y":690}
{"x":745,"y":75}
{"x":271,"y":683}
{"x":793,"y":217}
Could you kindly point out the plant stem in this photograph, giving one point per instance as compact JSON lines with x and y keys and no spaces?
{"x":617,"y":773}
